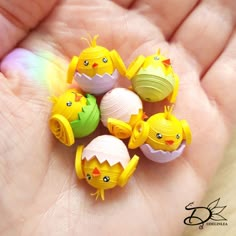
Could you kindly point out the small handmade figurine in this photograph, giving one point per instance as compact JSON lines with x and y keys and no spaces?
{"x":96,"y":68}
{"x":120,"y":110}
{"x":105,"y":163}
{"x":153,"y":78}
{"x":162,"y":138}
{"x":73,"y":116}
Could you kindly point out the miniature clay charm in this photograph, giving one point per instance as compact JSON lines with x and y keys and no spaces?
{"x":120,"y":110}
{"x":153,"y":78}
{"x":73,"y":116}
{"x":162,"y":138}
{"x":96,"y":68}
{"x":105,"y":163}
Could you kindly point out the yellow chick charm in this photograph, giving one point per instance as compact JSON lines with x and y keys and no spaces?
{"x":162,"y":138}
{"x":73,"y":116}
{"x":96,"y":68}
{"x":105,"y":163}
{"x":153,"y":78}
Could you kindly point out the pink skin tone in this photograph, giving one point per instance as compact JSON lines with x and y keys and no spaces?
{"x":40,"y":193}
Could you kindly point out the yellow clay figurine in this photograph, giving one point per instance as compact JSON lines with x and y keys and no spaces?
{"x":96,"y":68}
{"x":105,"y":164}
{"x":73,"y":116}
{"x":162,"y":138}
{"x":153,"y":78}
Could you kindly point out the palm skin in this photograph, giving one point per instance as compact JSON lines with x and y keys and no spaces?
{"x":40,"y":193}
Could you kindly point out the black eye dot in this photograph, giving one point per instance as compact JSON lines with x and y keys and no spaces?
{"x":159,"y":135}
{"x":86,"y":63}
{"x":69,"y":103}
{"x":156,"y":58}
{"x":106,"y":179}
{"x":178,"y":136}
{"x":88,"y":176}
{"x":104,"y":59}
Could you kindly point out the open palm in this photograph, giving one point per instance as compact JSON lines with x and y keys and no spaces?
{"x":40,"y":193}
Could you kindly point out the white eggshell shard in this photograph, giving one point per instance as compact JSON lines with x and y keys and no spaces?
{"x":119,"y":103}
{"x":97,"y":84}
{"x":161,"y":156}
{"x":107,"y":148}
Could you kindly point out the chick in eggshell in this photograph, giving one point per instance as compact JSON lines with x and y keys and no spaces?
{"x":153,"y":78}
{"x":96,"y":68}
{"x":105,"y":163}
{"x":73,"y":116}
{"x":162,"y":138}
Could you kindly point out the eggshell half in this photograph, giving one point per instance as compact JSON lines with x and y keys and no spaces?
{"x":152,"y":84}
{"x":161,"y":156}
{"x":119,"y":103}
{"x":98,"y":84}
{"x":107,"y":148}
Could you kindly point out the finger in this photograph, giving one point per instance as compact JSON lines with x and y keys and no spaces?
{"x":206,"y":31}
{"x":166,"y":14}
{"x":124,"y":3}
{"x":220,"y":82}
{"x":18,"y":17}
{"x":117,"y":27}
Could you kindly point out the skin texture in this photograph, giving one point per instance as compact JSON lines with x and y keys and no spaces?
{"x":40,"y":193}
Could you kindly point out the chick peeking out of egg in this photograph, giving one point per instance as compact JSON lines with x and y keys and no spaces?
{"x":96,"y":68}
{"x":73,"y":116}
{"x":153,"y":78}
{"x":105,"y":163}
{"x":162,"y":138}
{"x":120,"y":110}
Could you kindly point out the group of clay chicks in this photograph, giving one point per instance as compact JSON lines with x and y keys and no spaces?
{"x":105,"y":162}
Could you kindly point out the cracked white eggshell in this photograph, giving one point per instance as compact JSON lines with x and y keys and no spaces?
{"x":162,"y":156}
{"x":107,"y":148}
{"x":98,"y":84}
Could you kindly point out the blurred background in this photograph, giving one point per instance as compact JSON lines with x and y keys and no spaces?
{"x":222,"y":186}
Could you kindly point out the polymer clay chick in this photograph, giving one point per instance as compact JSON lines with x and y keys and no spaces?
{"x":153,"y":78}
{"x":96,"y":68}
{"x":73,"y":116}
{"x":105,"y":163}
{"x":120,"y":110}
{"x":162,"y":138}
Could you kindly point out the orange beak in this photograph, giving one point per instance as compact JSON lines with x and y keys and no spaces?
{"x":169,"y":142}
{"x":94,"y":65}
{"x":77,"y":97}
{"x":96,"y":172}
{"x":166,"y":62}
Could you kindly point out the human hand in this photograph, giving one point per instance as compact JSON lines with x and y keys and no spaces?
{"x":40,"y":193}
